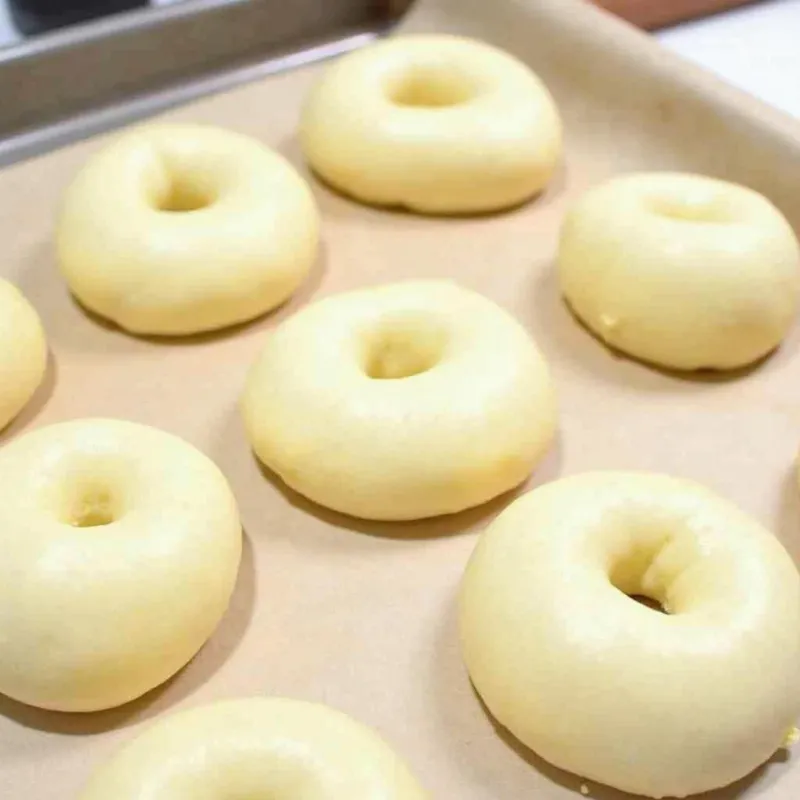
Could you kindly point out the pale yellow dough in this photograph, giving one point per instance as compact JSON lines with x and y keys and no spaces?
{"x":174,"y":229}
{"x":601,"y":685}
{"x":400,"y":402}
{"x":23,"y":352}
{"x":270,"y":748}
{"x":681,"y":270}
{"x":120,"y":547}
{"x":436,"y":124}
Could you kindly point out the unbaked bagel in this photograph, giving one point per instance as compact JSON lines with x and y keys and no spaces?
{"x":658,"y":704}
{"x":256,"y":748}
{"x":681,"y":270}
{"x":400,"y":402}
{"x":23,"y":352}
{"x":437,"y":124}
{"x":120,"y":547}
{"x":174,"y":229}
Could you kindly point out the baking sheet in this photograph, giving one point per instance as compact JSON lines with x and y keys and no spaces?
{"x":362,"y":615}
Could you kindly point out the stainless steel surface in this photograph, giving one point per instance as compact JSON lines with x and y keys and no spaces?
{"x":67,"y":85}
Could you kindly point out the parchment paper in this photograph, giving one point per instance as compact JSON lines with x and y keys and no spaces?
{"x":361,"y":615}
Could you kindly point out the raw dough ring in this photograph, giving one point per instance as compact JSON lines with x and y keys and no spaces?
{"x":599,"y":684}
{"x":436,"y":124}
{"x":175,"y":229}
{"x":256,"y":748}
{"x":400,"y":402}
{"x":681,"y":270}
{"x":23,"y":352}
{"x":120,"y":547}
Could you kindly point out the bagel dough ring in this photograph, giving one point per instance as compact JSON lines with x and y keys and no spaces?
{"x":120,"y":546}
{"x":256,"y":748}
{"x":658,"y":704}
{"x":175,"y":229}
{"x":681,"y":270}
{"x":436,"y":124}
{"x":400,"y":402}
{"x":23,"y":352}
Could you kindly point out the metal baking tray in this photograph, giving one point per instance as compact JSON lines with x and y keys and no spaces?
{"x":92,"y":77}
{"x":359,"y":615}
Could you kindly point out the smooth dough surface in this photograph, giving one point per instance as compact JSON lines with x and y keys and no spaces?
{"x":436,"y":124}
{"x":256,"y":748}
{"x":120,"y":548}
{"x":23,"y":352}
{"x":658,"y":704}
{"x":400,"y":402}
{"x":681,"y":270}
{"x":174,"y":229}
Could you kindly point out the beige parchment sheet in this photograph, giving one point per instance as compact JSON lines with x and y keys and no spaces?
{"x":362,"y":615}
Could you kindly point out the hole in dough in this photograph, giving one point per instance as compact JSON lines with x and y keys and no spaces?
{"x":432,"y":86}
{"x":648,"y":602}
{"x":185,"y":192}
{"x":699,"y":207}
{"x":91,"y":506}
{"x":403,"y":346}
{"x":639,"y":569}
{"x":89,"y":490}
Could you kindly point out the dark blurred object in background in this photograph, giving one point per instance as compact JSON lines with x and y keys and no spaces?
{"x":38,"y":16}
{"x":656,"y":13}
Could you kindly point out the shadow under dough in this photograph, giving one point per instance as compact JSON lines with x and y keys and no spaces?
{"x":337,"y":201}
{"x":67,"y":321}
{"x":787,"y":519}
{"x":553,"y":320}
{"x":430,"y":528}
{"x":217,"y":650}
{"x":598,"y":791}
{"x":38,"y":401}
{"x":462,"y":709}
{"x":303,"y":295}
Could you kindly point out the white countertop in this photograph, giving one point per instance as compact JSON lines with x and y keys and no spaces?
{"x":755,"y":47}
